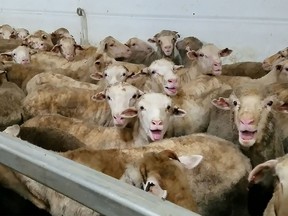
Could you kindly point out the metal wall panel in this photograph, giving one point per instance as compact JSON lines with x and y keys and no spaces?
{"x":253,"y":29}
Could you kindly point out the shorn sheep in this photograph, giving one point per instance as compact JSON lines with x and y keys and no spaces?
{"x":277,"y":170}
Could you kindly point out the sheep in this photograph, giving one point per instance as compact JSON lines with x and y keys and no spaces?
{"x":275,"y":169}
{"x":10,"y":105}
{"x":48,"y":138}
{"x":9,"y":44}
{"x":205,"y":61}
{"x":270,"y":61}
{"x":215,"y":192}
{"x":253,"y":122}
{"x":67,"y":47}
{"x":58,"y":34}
{"x":39,"y":40}
{"x":67,"y":101}
{"x":140,"y":49}
{"x":117,"y":72}
{"x":114,"y":48}
{"x":165,"y":42}
{"x":20,"y":55}
{"x":193,"y":43}
{"x":277,"y":74}
{"x":58,"y":80}
{"x":151,"y":124}
{"x":58,"y":204}
{"x":22,"y":33}
{"x":280,"y":91}
{"x":7,"y":32}
{"x":253,"y":70}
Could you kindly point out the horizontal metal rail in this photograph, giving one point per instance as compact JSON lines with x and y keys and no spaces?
{"x":93,"y":189}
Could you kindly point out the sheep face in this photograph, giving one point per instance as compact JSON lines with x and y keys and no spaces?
{"x":164,"y":71}
{"x":37,"y":43}
{"x":278,"y":57}
{"x":7,"y":32}
{"x":156,"y":173}
{"x":120,"y":97}
{"x":115,"y":49}
{"x":22,"y":33}
{"x":165,"y":41}
{"x":67,"y":47}
{"x":279,"y":169}
{"x":20,"y":55}
{"x":251,"y":111}
{"x":137,"y":45}
{"x":282,"y":69}
{"x":209,"y":58}
{"x":116,"y":73}
{"x":154,"y":111}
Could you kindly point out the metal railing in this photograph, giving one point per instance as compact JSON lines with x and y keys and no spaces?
{"x":93,"y":189}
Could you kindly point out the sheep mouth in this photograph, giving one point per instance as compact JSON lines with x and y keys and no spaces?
{"x":172,"y":90}
{"x":247,"y":135}
{"x":217,"y":72}
{"x":156,"y":134}
{"x":120,"y":59}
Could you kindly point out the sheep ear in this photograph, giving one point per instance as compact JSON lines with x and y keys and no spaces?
{"x":13,"y":130}
{"x":283,"y":108}
{"x":78,"y":47}
{"x":191,"y":161}
{"x":279,"y":67}
{"x":225,"y":52}
{"x":100,"y":96}
{"x":129,"y":113}
{"x":221,"y":103}
{"x":96,"y":76}
{"x":177,"y":67}
{"x":32,"y":51}
{"x":56,"y":48}
{"x":192,"y":54}
{"x":258,"y":173}
{"x":152,"y":40}
{"x":144,"y":71}
{"x":177,"y":112}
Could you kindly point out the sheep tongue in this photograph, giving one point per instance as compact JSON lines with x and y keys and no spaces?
{"x":247,"y":135}
{"x":156,"y":135}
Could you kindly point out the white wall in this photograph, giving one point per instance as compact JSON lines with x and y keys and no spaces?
{"x":253,"y":29}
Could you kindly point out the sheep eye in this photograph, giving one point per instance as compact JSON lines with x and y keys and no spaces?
{"x":111,"y":45}
{"x":14,"y":54}
{"x":108,"y":97}
{"x":97,"y":63}
{"x":168,"y":107}
{"x":153,"y":72}
{"x":105,"y":75}
{"x":159,"y":41}
{"x":235,"y":103}
{"x":133,"y":44}
{"x":124,"y":74}
{"x":201,"y":55}
{"x":134,"y":96}
{"x":141,"y":108}
{"x":270,"y":103}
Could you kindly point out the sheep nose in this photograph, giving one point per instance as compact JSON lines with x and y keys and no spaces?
{"x":157,"y":122}
{"x":246,"y":121}
{"x":168,"y":47}
{"x":172,"y":80}
{"x":118,"y":119}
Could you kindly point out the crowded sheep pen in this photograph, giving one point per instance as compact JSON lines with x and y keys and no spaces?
{"x":110,"y":121}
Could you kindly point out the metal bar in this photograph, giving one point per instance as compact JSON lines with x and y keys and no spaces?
{"x":93,"y":189}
